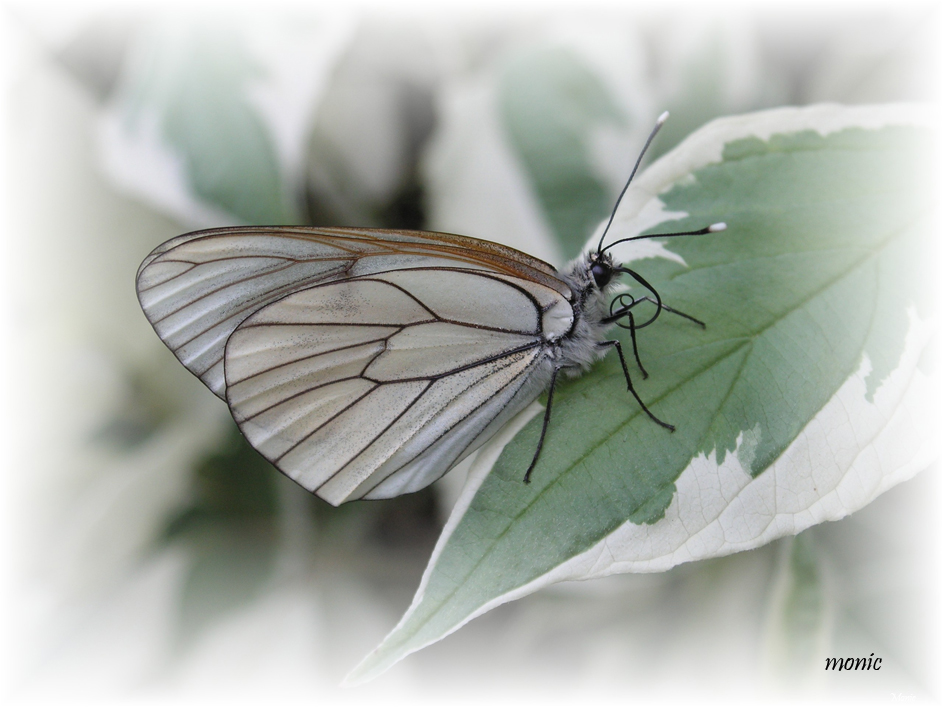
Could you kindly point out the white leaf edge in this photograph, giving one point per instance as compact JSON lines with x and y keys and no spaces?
{"x":720,"y":509}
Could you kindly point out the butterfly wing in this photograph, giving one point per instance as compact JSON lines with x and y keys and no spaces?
{"x":196,"y":289}
{"x":375,"y":386}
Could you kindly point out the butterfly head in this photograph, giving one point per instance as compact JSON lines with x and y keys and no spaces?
{"x":601,"y":268}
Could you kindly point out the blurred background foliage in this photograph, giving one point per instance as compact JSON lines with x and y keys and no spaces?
{"x":155,"y":549}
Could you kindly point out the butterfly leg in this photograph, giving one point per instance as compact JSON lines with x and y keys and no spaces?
{"x":625,"y":311}
{"x":628,"y":381}
{"x":543,"y":429}
{"x":632,"y":328}
{"x":617,"y":314}
{"x":617,"y":310}
{"x":673,"y":311}
{"x":634,"y":348}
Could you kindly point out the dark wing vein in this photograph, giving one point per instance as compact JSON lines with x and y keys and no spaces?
{"x":247,"y":418}
{"x":247,"y":278}
{"x":263,"y":371}
{"x":379,"y":434}
{"x":446,"y":431}
{"x":251,"y":307}
{"x":360,"y":376}
{"x":466,"y":367}
{"x":333,"y":417}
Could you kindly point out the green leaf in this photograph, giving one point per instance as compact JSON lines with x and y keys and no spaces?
{"x":231,"y":486}
{"x":801,"y":402}
{"x":229,"y":569}
{"x":550,"y":102}
{"x":230,"y":531}
{"x":195,"y":86}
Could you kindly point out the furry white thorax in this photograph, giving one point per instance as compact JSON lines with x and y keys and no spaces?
{"x":579,"y":349}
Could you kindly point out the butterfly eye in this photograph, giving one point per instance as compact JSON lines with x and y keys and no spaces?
{"x":602,"y":274}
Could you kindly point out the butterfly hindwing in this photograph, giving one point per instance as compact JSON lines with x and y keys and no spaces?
{"x":376,"y":386}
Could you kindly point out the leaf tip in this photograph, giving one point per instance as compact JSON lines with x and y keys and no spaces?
{"x":362,"y":673}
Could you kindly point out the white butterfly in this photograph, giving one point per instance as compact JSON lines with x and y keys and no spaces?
{"x":366,"y":363}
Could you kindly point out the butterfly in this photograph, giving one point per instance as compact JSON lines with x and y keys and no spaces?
{"x":365,"y":363}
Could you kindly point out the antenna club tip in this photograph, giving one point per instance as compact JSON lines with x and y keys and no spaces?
{"x":662,"y":118}
{"x":715,"y":227}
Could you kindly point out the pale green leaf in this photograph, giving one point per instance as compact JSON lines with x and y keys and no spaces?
{"x":799,"y":622}
{"x":550,"y":103}
{"x":188,"y":97}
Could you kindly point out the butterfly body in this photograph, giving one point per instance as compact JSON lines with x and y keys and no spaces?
{"x":366,"y":363}
{"x":580,"y":348}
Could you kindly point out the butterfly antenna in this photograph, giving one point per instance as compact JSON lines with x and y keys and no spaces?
{"x":658,"y":123}
{"x":713,"y":228}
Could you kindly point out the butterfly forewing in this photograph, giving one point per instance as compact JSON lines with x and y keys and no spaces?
{"x":376,"y":386}
{"x":196,"y":289}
